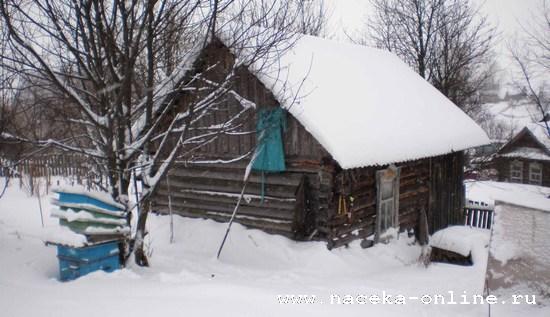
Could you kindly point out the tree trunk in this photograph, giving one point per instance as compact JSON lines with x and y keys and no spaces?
{"x":140,"y":255}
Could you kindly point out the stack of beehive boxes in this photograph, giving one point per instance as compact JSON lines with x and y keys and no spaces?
{"x":101,"y":220}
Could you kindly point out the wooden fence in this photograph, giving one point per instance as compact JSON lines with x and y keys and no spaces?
{"x":48,"y":165}
{"x":73,"y":166}
{"x":478,"y":214}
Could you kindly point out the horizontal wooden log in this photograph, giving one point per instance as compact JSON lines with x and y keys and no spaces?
{"x":412,"y":193}
{"x":293,"y":164}
{"x":286,"y":179}
{"x":259,"y":212}
{"x":231,"y":187}
{"x":363,"y":203}
{"x":231,"y":199}
{"x":416,"y":202}
{"x":412,"y":181}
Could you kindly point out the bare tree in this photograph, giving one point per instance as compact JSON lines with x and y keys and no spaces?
{"x":446,"y":41}
{"x":312,"y":17}
{"x":121,"y":67}
{"x":7,"y":142}
{"x":309,"y":16}
{"x":532,"y":56}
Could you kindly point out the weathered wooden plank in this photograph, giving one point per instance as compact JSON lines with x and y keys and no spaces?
{"x":180,"y":204}
{"x":254,"y":201}
{"x":226,"y":186}
{"x":287,"y":179}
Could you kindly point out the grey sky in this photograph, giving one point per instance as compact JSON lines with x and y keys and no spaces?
{"x":507,"y":15}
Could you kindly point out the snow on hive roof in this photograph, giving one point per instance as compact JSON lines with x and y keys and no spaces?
{"x":367,"y":107}
{"x":81,"y":190}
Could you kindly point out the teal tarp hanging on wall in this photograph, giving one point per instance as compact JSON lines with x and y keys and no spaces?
{"x":270,"y":156}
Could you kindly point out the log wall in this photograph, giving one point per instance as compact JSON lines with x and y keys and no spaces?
{"x":503,"y":165}
{"x":358,"y":187}
{"x":283,"y":203}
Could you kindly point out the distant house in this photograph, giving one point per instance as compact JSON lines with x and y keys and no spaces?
{"x":367,"y":146}
{"x":526,"y":157}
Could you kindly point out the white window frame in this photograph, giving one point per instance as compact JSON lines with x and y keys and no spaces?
{"x":535,"y":177}
{"x":387,"y":208}
{"x":516,"y":175}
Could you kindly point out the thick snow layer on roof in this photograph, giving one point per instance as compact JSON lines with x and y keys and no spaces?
{"x":527,"y":153}
{"x":530,"y":196}
{"x":366,"y":106}
{"x":540,"y":132}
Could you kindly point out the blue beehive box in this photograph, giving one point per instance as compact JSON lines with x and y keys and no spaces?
{"x":73,"y":198}
{"x":101,"y":251}
{"x":76,"y":262}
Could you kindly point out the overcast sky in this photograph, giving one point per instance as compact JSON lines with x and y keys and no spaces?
{"x":349,"y":15}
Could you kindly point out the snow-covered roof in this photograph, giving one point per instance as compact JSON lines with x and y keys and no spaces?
{"x":537,"y":131}
{"x":365,"y":106}
{"x":540,"y":132}
{"x":528,"y":153}
{"x":529,"y":196}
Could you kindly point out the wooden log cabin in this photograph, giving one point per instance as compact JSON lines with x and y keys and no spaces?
{"x":357,"y":144}
{"x":526,"y":157}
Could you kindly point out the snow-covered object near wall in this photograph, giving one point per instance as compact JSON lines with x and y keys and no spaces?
{"x":366,"y":106}
{"x":463,"y":240}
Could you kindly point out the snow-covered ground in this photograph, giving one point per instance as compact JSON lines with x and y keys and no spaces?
{"x":186,"y":279}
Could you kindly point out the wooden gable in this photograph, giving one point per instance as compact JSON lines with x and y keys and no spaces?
{"x":525,"y":138}
{"x":299,"y":144}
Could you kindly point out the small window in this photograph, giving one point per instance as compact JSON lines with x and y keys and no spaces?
{"x":516,"y":172}
{"x":387,"y":200}
{"x":535,"y":173}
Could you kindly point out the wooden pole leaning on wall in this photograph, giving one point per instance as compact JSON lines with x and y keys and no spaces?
{"x":170,"y":209}
{"x":233,"y":216}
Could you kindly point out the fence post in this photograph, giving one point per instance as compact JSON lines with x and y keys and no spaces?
{"x":478,"y":214}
